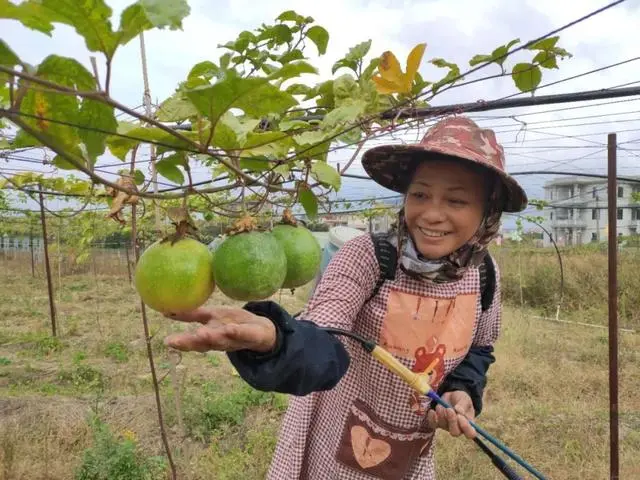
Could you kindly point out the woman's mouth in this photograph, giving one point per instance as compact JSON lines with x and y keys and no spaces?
{"x":432,"y":233}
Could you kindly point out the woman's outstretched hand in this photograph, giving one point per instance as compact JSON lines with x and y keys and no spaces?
{"x":223,"y":328}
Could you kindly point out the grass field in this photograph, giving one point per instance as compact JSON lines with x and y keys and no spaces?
{"x":83,"y":403}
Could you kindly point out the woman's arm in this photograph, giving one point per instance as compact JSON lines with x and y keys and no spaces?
{"x":306,"y":358}
{"x":470,"y":375}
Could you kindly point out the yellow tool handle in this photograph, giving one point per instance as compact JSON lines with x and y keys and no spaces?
{"x":419,"y":383}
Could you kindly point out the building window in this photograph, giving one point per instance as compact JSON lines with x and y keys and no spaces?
{"x":620,"y":214}
{"x":594,"y":214}
{"x":593,"y":192}
{"x":635,"y":214}
{"x":594,"y":237}
{"x":551,"y":215}
{"x":620,"y":192}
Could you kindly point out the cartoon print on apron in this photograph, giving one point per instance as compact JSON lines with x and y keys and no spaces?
{"x":427,"y":331}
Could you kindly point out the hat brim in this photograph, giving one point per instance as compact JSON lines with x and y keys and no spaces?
{"x":392,"y":166}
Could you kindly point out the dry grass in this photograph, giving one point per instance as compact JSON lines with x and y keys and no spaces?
{"x":547,"y":394}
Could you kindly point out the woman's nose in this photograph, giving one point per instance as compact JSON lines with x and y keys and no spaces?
{"x":432,"y":213}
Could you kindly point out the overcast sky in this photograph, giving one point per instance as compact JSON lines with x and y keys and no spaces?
{"x":453,"y":29}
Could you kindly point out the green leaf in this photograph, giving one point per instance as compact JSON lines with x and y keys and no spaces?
{"x":7,"y":56}
{"x":257,"y":164}
{"x":66,"y":71}
{"x":295,"y":54}
{"x":287,"y":125}
{"x":120,"y":146}
{"x":280,"y":33}
{"x":346,"y":114}
{"x":373,"y":64}
{"x":353,"y":65}
{"x":291,"y":70}
{"x":546,"y":59}
{"x":544,"y":44}
{"x":147,"y":14}
{"x":166,"y":13}
{"x":168,"y":169}
{"x":138,"y":177}
{"x":51,"y":113}
{"x":353,"y":57}
{"x":206,"y":70}
{"x":298,"y":89}
{"x":24,"y":140}
{"x":275,"y":144}
{"x":176,"y":108}
{"x":478,"y":59}
{"x":498,"y":56}
{"x":157,"y":135}
{"x":359,"y":51}
{"x":309,"y":202}
{"x":283,"y":169}
{"x":451,"y":77}
{"x":255,"y":96}
{"x":99,"y":116}
{"x":320,"y":37}
{"x":345,"y":87}
{"x":526,"y":76}
{"x":326,"y":174}
{"x":29,"y":13}
{"x":288,"y":16}
{"x":89,"y":18}
{"x":62,"y":163}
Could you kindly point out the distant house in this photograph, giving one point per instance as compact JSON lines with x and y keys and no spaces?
{"x":578,"y":212}
{"x":19,"y":242}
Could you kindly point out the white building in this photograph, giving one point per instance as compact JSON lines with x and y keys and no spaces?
{"x":578,"y":210}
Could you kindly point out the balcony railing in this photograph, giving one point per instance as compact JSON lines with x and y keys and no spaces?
{"x":569,"y":222}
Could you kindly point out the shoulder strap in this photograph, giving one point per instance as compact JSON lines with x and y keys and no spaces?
{"x":487,"y":282}
{"x":387,"y":260}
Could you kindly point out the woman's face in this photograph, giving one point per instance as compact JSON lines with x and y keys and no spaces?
{"x":444,"y":206}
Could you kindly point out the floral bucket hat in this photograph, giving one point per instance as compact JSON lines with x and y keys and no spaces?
{"x":392,"y":165}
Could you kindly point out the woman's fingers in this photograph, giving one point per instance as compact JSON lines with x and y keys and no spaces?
{"x":451,"y":420}
{"x":199,"y":315}
{"x":226,"y":338}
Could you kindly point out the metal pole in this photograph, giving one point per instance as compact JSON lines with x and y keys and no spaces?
{"x":33,"y":267}
{"x":613,"y":309}
{"x":52,"y":308}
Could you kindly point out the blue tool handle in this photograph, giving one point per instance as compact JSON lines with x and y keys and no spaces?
{"x":434,"y":396}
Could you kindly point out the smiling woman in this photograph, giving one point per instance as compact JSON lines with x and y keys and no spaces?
{"x":443,"y":215}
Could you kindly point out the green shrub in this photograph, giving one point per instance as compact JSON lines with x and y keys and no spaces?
{"x":112,"y":458}
{"x":585,"y":281}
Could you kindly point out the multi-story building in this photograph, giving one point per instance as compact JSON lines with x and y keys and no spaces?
{"x":578,"y":210}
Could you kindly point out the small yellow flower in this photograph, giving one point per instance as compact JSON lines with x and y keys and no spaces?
{"x":130,"y":435}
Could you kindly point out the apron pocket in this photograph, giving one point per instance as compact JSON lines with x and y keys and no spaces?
{"x":370,"y":445}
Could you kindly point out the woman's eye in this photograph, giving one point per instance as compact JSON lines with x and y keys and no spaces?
{"x":418,"y":195}
{"x":457,"y":201}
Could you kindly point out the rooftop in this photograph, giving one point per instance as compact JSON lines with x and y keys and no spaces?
{"x":558,"y":182}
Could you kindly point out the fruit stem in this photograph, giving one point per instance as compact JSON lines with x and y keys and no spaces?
{"x":288,"y":218}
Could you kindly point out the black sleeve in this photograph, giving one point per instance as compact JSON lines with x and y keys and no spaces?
{"x":305,"y":359}
{"x":470,"y":375}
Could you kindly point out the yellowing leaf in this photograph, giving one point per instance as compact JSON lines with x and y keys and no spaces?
{"x":391,"y":78}
{"x":413,"y":63}
{"x":389,"y":68}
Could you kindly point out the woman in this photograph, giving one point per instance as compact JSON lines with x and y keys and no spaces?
{"x":349,"y":417}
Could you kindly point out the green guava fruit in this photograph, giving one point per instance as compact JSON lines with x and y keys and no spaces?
{"x":250,"y":266}
{"x":303,"y":254}
{"x":175,"y":277}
